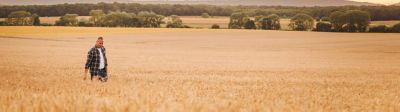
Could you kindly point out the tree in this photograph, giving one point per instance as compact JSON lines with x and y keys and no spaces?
{"x":215,"y":26}
{"x":357,"y":21}
{"x":95,"y":16}
{"x":238,"y":20}
{"x":301,"y":22}
{"x":68,"y":20}
{"x":205,"y":15}
{"x":150,"y":19}
{"x":337,"y":19}
{"x":250,"y":24}
{"x":324,"y":27}
{"x":71,"y":19}
{"x":174,"y":22}
{"x":35,"y":20}
{"x":135,"y":22}
{"x":19,"y":18}
{"x":258,"y":20}
{"x":271,"y":22}
{"x":117,"y":19}
{"x":60,"y":22}
{"x":350,"y":21}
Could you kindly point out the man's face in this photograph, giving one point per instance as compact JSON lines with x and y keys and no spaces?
{"x":99,"y":43}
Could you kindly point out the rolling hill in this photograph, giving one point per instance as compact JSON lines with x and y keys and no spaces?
{"x":397,"y":4}
{"x":212,"y":2}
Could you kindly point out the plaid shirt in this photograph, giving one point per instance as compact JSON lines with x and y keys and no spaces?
{"x":93,"y":60}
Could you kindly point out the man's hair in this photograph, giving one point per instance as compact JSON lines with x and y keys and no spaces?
{"x":100,"y":38}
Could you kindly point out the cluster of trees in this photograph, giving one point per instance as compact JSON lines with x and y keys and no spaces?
{"x":114,"y":19}
{"x":351,"y":21}
{"x":376,"y":12}
{"x":241,"y":20}
{"x":68,"y":20}
{"x":270,"y":22}
{"x":84,"y":9}
{"x":175,"y":22}
{"x":99,"y":19}
{"x":339,"y":21}
{"x":301,"y":22}
{"x":238,"y":20}
{"x":22,"y":18}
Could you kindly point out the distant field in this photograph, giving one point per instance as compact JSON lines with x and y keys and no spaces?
{"x":196,"y":21}
{"x":388,"y":23}
{"x":223,"y":21}
{"x":200,"y":70}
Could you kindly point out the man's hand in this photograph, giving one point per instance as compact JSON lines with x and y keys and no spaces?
{"x":84,"y":75}
{"x":108,"y":72}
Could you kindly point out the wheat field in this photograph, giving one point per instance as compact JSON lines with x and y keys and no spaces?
{"x":200,"y":70}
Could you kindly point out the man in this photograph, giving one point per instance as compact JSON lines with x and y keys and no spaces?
{"x":97,"y":62}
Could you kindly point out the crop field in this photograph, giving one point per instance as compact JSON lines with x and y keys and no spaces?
{"x":164,"y":70}
{"x":387,"y":23}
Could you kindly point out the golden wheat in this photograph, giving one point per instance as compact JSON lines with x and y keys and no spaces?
{"x":202,"y":70}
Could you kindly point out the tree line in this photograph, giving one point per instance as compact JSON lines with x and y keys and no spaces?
{"x":376,"y":12}
{"x":21,"y":18}
{"x":113,"y":19}
{"x":98,"y":18}
{"x":338,"y":21}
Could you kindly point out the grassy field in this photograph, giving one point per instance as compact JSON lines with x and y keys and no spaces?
{"x":223,"y":21}
{"x":387,"y":23}
{"x":206,"y":70}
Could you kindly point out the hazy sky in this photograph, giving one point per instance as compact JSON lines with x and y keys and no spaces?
{"x":380,"y":1}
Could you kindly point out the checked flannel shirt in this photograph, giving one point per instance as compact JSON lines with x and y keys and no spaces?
{"x":93,"y":60}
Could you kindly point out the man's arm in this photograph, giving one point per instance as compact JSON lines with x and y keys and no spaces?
{"x":105,"y":57}
{"x":85,"y":75}
{"x":106,"y":62}
{"x":88,"y":63}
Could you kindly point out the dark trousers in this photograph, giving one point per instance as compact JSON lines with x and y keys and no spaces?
{"x":102,"y":74}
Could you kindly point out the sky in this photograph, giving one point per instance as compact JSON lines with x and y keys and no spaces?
{"x":387,"y":2}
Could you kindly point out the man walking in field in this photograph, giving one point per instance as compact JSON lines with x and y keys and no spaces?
{"x":97,"y":62}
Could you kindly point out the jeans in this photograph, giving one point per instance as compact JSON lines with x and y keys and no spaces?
{"x":102,"y":74}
